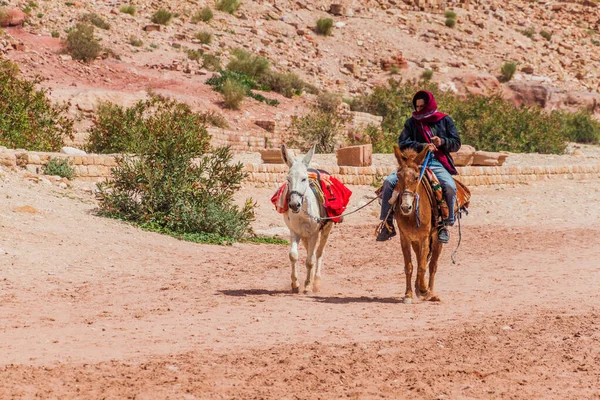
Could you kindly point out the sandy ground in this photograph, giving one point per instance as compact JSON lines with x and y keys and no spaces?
{"x":93,"y":308}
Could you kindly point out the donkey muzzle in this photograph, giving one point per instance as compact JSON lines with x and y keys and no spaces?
{"x":406,"y":206}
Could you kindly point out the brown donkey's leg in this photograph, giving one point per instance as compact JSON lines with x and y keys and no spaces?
{"x":433,"y":264}
{"x":422,"y":251}
{"x":408,"y":268}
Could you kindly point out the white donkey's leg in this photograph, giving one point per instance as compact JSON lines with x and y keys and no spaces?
{"x":295,"y":239}
{"x":311,"y":260}
{"x":322,"y":242}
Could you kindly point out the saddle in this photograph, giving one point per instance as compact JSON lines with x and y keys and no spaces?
{"x":436,"y":197}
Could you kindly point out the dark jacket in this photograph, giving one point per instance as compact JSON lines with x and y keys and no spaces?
{"x":411,"y":137}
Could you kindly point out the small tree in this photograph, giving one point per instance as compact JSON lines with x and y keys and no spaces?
{"x":174,"y":182}
{"x":318,"y":126}
{"x":324,"y":26}
{"x":508,"y":70}
{"x":81,"y":43}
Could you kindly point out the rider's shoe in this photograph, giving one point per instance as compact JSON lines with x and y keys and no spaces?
{"x":387,"y":232}
{"x":443,"y":234}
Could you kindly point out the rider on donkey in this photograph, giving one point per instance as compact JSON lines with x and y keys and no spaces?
{"x":426,"y":128}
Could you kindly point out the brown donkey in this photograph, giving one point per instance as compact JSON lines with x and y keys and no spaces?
{"x":414,"y":216}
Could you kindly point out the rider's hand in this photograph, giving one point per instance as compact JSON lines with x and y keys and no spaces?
{"x":437,"y":141}
{"x":431,"y":147}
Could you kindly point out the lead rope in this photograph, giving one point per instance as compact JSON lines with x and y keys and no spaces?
{"x":459,"y":236}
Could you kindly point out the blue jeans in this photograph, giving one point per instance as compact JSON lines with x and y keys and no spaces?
{"x":446,"y":181}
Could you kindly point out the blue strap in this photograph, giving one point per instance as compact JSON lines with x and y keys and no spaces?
{"x":427,"y":159}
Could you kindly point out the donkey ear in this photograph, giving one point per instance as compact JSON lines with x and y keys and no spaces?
{"x":421,"y":156}
{"x":399,"y":156}
{"x":286,"y":156}
{"x":309,"y":155}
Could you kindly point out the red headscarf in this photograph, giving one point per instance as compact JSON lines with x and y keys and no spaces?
{"x":428,"y":116}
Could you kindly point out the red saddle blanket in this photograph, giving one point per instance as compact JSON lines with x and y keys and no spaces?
{"x":335,"y":194}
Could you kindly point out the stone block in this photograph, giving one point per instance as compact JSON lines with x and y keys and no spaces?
{"x":273,"y":156}
{"x":8,"y":159}
{"x":355,"y":156}
{"x":489,"y":158}
{"x":464,"y":156}
{"x":267,"y":125}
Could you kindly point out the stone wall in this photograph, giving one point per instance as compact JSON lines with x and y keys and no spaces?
{"x":94,"y":167}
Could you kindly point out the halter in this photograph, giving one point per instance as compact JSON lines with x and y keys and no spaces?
{"x":301,"y":195}
{"x":415,"y":194}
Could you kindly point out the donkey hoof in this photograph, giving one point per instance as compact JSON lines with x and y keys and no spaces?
{"x":407,"y":300}
{"x":433,"y":298}
{"x":295,"y":289}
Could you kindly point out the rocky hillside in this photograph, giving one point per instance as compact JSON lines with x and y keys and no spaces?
{"x":556,"y":46}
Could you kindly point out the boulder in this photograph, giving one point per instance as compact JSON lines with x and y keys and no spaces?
{"x":12,"y":17}
{"x":72,"y":151}
{"x":355,"y":156}
{"x":489,"y":158}
{"x":464,"y":156}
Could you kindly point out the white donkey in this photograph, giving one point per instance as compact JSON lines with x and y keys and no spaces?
{"x":301,"y":219}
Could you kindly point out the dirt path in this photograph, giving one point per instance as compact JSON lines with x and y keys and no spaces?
{"x":93,"y":308}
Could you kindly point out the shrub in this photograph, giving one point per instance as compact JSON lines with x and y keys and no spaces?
{"x":529,"y":32}
{"x":450,"y":22}
{"x":204,"y":15}
{"x":135,"y":41}
{"x":204,"y":37}
{"x":318,"y":126}
{"x":55,"y":34}
{"x":59,"y":167}
{"x":174,"y":183}
{"x":233,"y":94}
{"x":213,"y":118}
{"x":247,"y":82}
{"x":579,"y":127}
{"x":29,"y":119}
{"x":546,"y":35}
{"x":161,"y":17}
{"x":450,"y":14}
{"x":211,"y":62}
{"x":229,"y":6}
{"x":128,"y":9}
{"x":427,"y":75}
{"x":324,"y":26}
{"x":329,"y":102}
{"x":81,"y":43}
{"x":96,"y":20}
{"x":288,"y":84}
{"x":194,"y":55}
{"x":508,"y":70}
{"x":247,"y":63}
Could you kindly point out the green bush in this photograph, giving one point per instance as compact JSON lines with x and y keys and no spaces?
{"x":529,"y":32}
{"x":211,"y":62}
{"x":161,"y":17}
{"x":204,"y":37}
{"x":450,"y":14}
{"x":318,"y":126}
{"x":229,"y":6}
{"x":487,"y":123}
{"x":128,"y":9}
{"x":508,"y":70}
{"x":29,"y":119}
{"x":59,"y":167}
{"x":427,"y":75}
{"x":204,"y":15}
{"x":329,"y":102}
{"x":288,"y":84}
{"x":247,"y":63}
{"x":213,"y":118}
{"x":81,"y":43}
{"x":233,"y":94}
{"x":324,"y":26}
{"x":450,"y":22}
{"x":579,"y":127}
{"x":546,"y":35}
{"x":95,"y":20}
{"x":195,"y":55}
{"x":247,"y":82}
{"x":55,"y":34}
{"x":135,"y":41}
{"x":173,"y":182}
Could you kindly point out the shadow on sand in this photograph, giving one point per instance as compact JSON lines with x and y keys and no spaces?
{"x":317,"y":298}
